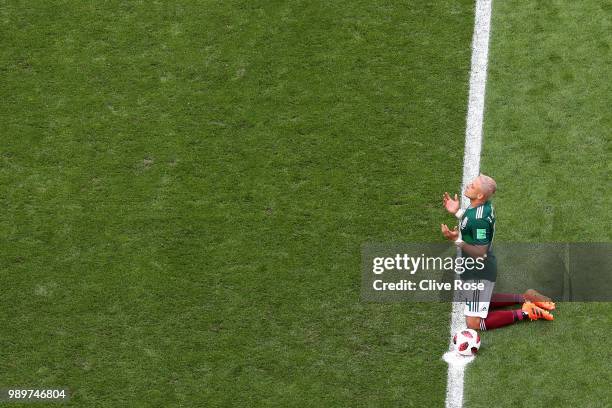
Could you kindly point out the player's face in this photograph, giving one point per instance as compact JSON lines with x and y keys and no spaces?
{"x":472,"y":191}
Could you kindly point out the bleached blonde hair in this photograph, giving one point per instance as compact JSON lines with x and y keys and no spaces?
{"x":487,"y":185}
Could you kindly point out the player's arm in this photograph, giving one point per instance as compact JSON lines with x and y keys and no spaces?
{"x":475,"y":251}
{"x":482,"y":232}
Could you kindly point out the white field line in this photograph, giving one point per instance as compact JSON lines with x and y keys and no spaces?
{"x":471,"y":169}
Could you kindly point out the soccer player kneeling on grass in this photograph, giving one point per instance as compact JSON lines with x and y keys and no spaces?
{"x":477,"y":228}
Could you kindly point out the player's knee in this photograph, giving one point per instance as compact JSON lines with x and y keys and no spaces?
{"x":473,"y":322}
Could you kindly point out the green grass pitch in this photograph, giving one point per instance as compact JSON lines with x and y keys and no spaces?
{"x":186,"y":185}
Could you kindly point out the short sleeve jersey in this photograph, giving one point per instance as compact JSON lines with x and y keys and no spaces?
{"x":478,"y":228}
{"x":478,"y":225}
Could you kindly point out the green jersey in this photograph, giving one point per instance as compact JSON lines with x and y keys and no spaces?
{"x":478,"y":225}
{"x":478,"y":228}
